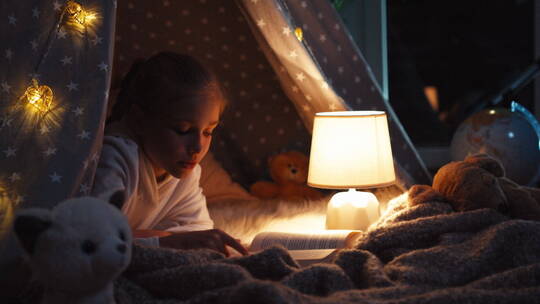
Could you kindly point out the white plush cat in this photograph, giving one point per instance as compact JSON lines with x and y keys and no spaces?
{"x":76,"y":249}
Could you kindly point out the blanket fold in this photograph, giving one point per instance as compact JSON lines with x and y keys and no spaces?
{"x":418,"y":252}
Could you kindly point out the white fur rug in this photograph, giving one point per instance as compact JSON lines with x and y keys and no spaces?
{"x":244,"y":219}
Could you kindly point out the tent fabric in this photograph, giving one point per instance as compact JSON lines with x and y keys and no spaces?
{"x":261,"y":120}
{"x":325,"y":71}
{"x":45,"y":158}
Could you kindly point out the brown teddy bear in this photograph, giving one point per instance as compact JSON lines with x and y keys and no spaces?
{"x":479,"y":182}
{"x":289,"y":172}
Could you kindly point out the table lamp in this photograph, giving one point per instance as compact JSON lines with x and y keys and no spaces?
{"x":351,"y":150}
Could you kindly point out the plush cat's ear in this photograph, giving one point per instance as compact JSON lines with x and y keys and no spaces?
{"x":117,"y":199}
{"x":28,"y":226}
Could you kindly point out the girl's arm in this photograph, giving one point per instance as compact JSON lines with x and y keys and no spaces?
{"x":189,"y":223}
{"x":117,"y":168}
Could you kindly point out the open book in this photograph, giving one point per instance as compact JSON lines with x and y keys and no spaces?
{"x":307,"y":248}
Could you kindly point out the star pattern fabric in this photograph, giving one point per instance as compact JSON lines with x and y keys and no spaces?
{"x":263,"y":69}
{"x":46,"y":158}
{"x":260,"y":119}
{"x":325,"y":71}
{"x":254,"y":50}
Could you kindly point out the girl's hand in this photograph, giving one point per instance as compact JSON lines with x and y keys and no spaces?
{"x":146,"y":233}
{"x":213,"y":239}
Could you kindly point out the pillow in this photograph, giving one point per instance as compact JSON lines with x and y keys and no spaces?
{"x":217,"y":184}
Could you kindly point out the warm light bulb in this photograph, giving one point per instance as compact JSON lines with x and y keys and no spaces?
{"x":299,"y":34}
{"x":39,"y":96}
{"x":78,"y":17}
{"x":76,"y":12}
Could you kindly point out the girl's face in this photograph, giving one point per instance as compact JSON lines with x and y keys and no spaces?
{"x":178,"y":137}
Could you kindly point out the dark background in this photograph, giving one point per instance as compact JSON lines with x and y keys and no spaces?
{"x":466,"y":49}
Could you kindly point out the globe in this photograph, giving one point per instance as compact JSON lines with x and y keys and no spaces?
{"x":511,"y":136}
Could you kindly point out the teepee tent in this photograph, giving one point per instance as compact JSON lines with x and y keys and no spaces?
{"x":281,"y":61}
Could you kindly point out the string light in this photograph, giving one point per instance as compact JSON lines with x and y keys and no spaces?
{"x":75,"y":11}
{"x":39,"y":96}
{"x":77,"y":16}
{"x":299,"y":34}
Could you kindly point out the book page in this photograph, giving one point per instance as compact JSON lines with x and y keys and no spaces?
{"x":310,"y":254}
{"x":302,"y":241}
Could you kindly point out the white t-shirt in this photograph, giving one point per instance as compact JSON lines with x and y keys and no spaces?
{"x":173,"y":204}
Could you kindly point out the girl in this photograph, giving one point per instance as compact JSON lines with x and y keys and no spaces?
{"x":162,"y":125}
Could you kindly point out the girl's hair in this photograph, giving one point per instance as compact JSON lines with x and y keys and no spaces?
{"x":163,"y":78}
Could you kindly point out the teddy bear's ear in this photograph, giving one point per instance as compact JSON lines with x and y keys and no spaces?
{"x":487,"y":163}
{"x":117,"y":199}
{"x":29,"y":224}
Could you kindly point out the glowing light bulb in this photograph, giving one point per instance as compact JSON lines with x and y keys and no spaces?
{"x":76,"y":12}
{"x":39,"y":96}
{"x":299,"y":34}
{"x":77,"y":17}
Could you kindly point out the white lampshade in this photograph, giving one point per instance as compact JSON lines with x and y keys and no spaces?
{"x":350,"y":150}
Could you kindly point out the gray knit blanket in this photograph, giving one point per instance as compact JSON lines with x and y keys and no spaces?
{"x":421,"y":253}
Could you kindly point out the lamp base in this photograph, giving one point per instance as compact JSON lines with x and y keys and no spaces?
{"x":352,"y":210}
